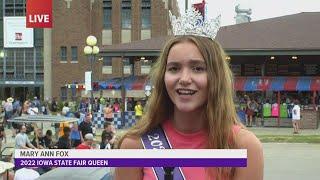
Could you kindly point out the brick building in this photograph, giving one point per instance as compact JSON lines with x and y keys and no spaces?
{"x":112,"y":22}
{"x":21,"y":57}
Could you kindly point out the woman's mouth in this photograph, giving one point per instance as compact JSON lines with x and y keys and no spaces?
{"x":186,"y":92}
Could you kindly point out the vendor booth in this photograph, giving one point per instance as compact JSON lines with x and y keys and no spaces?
{"x":282,"y":87}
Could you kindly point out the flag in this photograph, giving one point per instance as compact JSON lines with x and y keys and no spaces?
{"x":200,"y":7}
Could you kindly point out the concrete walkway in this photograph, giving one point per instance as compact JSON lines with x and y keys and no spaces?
{"x":282,"y":131}
{"x":294,"y":161}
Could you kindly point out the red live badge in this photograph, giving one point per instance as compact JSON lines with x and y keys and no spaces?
{"x":39,"y":14}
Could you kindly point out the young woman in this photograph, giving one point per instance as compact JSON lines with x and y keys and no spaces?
{"x":193,"y":103}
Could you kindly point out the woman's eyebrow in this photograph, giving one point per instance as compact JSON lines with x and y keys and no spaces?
{"x":190,"y":60}
{"x":173,"y":63}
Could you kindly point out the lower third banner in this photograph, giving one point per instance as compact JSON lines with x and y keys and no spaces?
{"x":131,"y":158}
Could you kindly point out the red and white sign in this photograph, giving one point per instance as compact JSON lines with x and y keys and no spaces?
{"x":39,"y":14}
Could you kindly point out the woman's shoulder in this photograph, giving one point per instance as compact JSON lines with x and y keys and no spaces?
{"x":246,"y":139}
{"x":255,"y":161}
{"x":131,"y":142}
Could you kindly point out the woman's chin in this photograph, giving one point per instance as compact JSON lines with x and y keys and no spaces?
{"x":187,"y":109}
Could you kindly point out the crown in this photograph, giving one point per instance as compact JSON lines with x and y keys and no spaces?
{"x":193,"y":23}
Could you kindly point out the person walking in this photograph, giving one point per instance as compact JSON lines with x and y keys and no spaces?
{"x":296,"y":117}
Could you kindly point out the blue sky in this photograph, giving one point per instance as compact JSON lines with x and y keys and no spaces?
{"x":261,"y":9}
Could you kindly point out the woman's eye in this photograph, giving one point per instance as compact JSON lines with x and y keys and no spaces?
{"x":198,"y":69}
{"x":172,"y":69}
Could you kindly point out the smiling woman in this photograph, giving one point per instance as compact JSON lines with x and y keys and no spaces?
{"x":186,"y":80}
{"x":192,"y":103}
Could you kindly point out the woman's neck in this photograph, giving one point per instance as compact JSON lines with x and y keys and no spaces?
{"x":188,"y":122}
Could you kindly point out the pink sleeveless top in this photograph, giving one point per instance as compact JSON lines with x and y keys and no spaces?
{"x":178,"y":140}
{"x":275,"y":110}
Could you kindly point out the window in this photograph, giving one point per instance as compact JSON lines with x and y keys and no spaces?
{"x":74,"y":53}
{"x":126,"y":62}
{"x":63,"y":53}
{"x":29,"y":61}
{"x":145,"y":14}
{"x":10,"y":61}
{"x":146,"y":62}
{"x":146,"y":65}
{"x":126,"y":14}
{"x":10,"y":64}
{"x":15,"y":7}
{"x":38,"y":37}
{"x":107,"y":8}
{"x":39,"y":63}
{"x":9,"y":8}
{"x":64,"y":93}
{"x":20,"y":64}
{"x":74,"y":93}
{"x":39,"y":60}
{"x":107,"y":61}
{"x":127,"y":67}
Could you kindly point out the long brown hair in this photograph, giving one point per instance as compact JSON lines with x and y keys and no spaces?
{"x":220,"y":113}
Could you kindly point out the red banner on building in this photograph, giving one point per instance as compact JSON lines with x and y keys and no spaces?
{"x":39,"y":14}
{"x":200,"y":7}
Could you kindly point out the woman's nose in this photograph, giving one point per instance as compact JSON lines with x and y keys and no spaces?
{"x":185,"y":78}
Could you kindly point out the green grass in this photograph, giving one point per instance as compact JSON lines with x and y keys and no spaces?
{"x":290,"y":138}
{"x":293,"y":138}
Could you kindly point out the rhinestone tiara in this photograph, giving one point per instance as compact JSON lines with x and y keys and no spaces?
{"x":193,"y":23}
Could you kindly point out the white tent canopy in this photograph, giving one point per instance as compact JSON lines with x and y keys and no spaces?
{"x":43,"y":119}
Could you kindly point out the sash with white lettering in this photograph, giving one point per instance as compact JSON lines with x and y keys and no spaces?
{"x":157,"y":139}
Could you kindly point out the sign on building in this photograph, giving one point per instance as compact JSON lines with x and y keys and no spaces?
{"x":39,"y":14}
{"x":15,"y":33}
{"x":88,"y":80}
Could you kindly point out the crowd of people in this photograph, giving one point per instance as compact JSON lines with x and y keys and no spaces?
{"x":75,"y":135}
{"x":251,"y":107}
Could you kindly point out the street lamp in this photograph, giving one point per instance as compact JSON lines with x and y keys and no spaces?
{"x":91,"y":50}
{"x":2,"y":54}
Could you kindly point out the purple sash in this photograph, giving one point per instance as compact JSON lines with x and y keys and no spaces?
{"x":157,"y":139}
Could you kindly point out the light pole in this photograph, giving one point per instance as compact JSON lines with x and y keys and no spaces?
{"x":91,"y":50}
{"x":2,"y":95}
{"x":123,"y":94}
